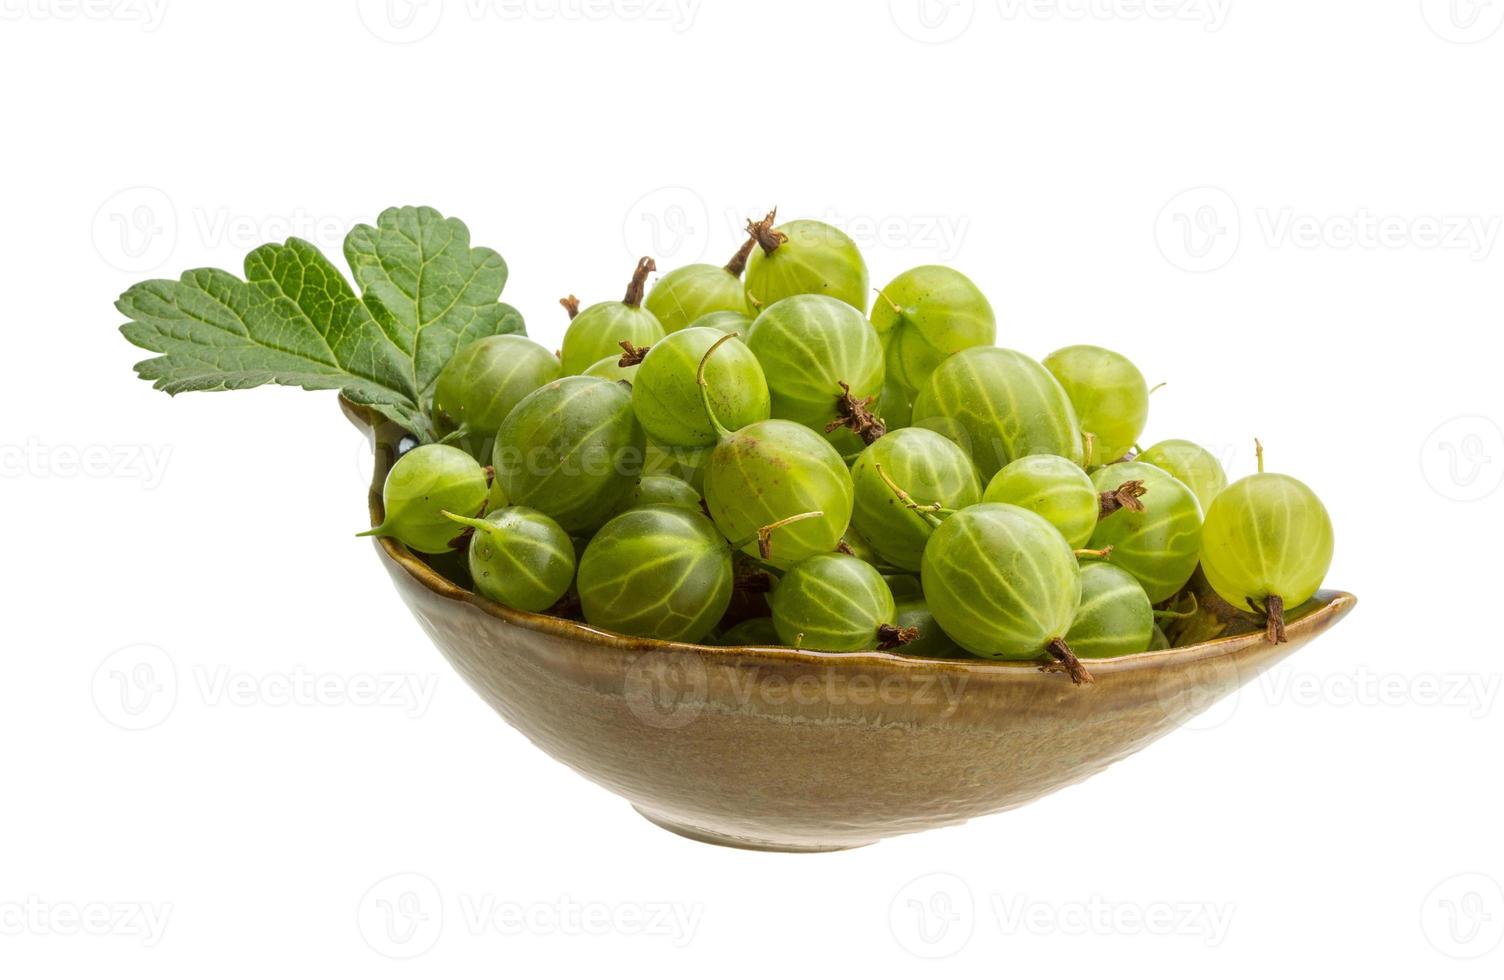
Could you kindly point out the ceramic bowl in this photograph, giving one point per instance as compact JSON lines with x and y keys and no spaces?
{"x":778,"y":749}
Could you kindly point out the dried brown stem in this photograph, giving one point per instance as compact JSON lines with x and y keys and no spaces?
{"x":1124,"y":497}
{"x":571,"y":304}
{"x":763,"y":233}
{"x":631,"y":355}
{"x":1067,"y":662}
{"x":892,"y":637}
{"x":637,"y":288}
{"x":1273,"y":610}
{"x":738,"y":263}
{"x":856,"y":414}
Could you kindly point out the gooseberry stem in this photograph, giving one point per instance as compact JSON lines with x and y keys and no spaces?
{"x":1258,"y":450}
{"x":890,"y":637}
{"x":764,"y":535}
{"x":884,"y":297}
{"x":631,"y":354}
{"x":475,"y":522}
{"x":722,"y":433}
{"x":455,"y":436}
{"x":856,"y":414}
{"x":1125,"y":497}
{"x":1163,"y":614}
{"x":571,"y":304}
{"x":638,"y":286}
{"x":1091,"y":445}
{"x":1273,"y":610}
{"x":930,"y":512}
{"x":1068,"y":662}
{"x":1094,"y":552}
{"x":762,"y":231}
{"x":738,"y":263}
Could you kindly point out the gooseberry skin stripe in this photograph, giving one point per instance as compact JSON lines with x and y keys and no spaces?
{"x":1006,"y":404}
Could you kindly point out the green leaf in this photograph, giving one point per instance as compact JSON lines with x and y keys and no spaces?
{"x":295,"y":320}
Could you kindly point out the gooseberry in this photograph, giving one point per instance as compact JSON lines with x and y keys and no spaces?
{"x":804,"y":257}
{"x":755,"y":632}
{"x":663,"y":489}
{"x":924,"y":316}
{"x":1052,"y":487}
{"x":485,"y":379}
{"x":1115,"y":617}
{"x":599,"y":330}
{"x":659,"y":572}
{"x":1192,"y":465}
{"x":519,"y":557}
{"x":1110,"y":397}
{"x":667,"y":397}
{"x":1157,"y":536}
{"x":726,"y":322}
{"x":823,"y":362}
{"x":775,"y":488}
{"x":1267,"y":545}
{"x":929,"y":640}
{"x":572,"y":449}
{"x":420,"y":487}
{"x":925,"y":466}
{"x":689,"y":293}
{"x":999,"y":405}
{"x":834,"y":602}
{"x":1004,"y":584}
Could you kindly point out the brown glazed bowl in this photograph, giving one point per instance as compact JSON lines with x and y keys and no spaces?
{"x":785,"y":750}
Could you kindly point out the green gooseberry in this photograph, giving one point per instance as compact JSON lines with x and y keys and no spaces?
{"x":1110,"y":396}
{"x":833,"y":602}
{"x":1004,"y":584}
{"x":658,"y":572}
{"x":1052,"y":487}
{"x":822,"y":359}
{"x":726,"y":322}
{"x":663,"y":489}
{"x":572,"y":449}
{"x":904,"y":586}
{"x":756,"y":632}
{"x":999,"y":405}
{"x":924,"y":316}
{"x":1267,"y":545}
{"x":612,"y":368}
{"x":486,"y":379}
{"x":423,"y":484}
{"x":774,"y":488}
{"x":855,"y":543}
{"x":600,"y":330}
{"x":895,"y":405}
{"x":1115,"y":617}
{"x":1152,"y":523}
{"x":689,"y":293}
{"x":928,"y":639}
{"x":924,"y":466}
{"x":520,"y":557}
{"x":668,"y":400}
{"x":803,"y":257}
{"x":1191,"y":464}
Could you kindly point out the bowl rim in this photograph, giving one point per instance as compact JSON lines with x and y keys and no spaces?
{"x":1334,"y":604}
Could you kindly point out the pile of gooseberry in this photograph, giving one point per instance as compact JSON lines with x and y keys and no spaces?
{"x":767,"y":453}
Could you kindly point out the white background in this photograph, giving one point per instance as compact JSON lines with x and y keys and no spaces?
{"x":1287,"y":211}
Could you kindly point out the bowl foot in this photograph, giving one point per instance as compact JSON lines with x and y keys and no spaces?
{"x":743,"y":843}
